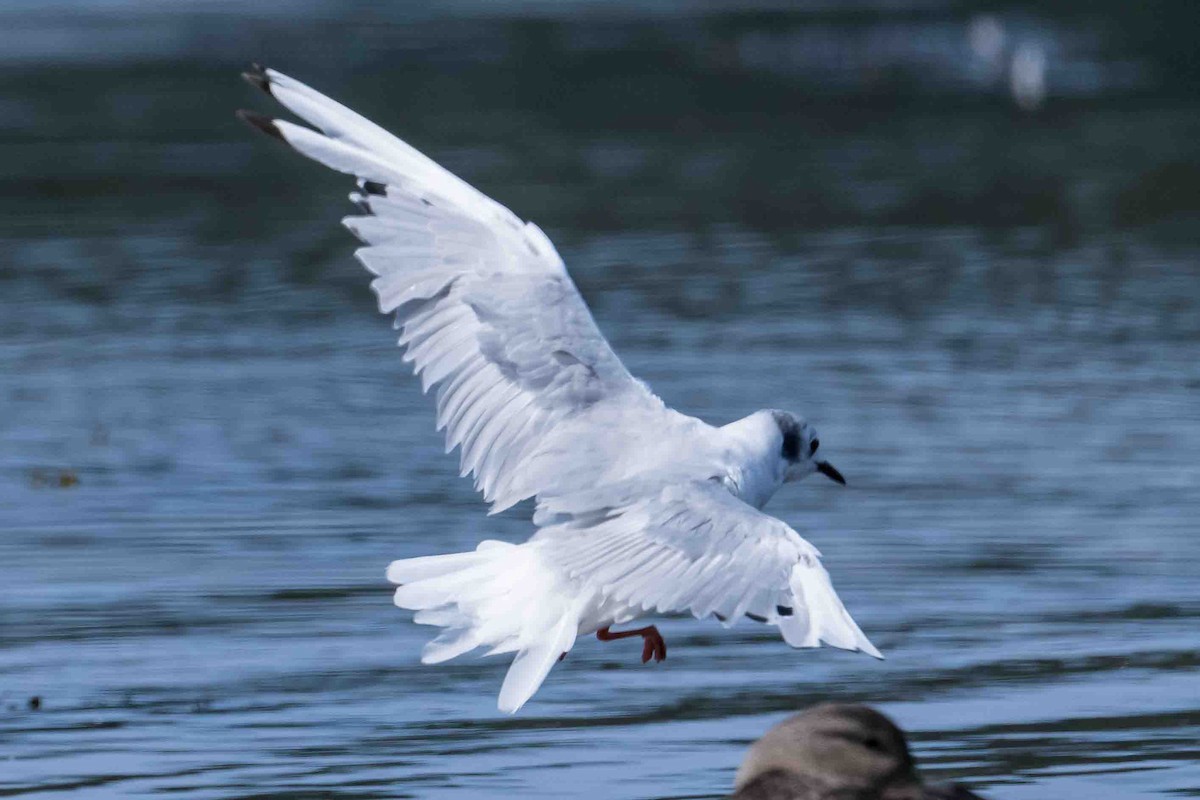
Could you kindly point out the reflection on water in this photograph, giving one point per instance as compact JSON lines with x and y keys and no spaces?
{"x":209,"y":449}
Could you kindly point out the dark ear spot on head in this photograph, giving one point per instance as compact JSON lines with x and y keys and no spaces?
{"x":791,"y":445}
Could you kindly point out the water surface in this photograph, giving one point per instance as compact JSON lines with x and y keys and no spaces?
{"x":209,"y":448}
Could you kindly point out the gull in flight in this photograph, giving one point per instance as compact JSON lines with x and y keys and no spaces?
{"x":639,"y":509}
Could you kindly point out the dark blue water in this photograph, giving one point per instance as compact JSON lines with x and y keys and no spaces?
{"x":210,"y":450}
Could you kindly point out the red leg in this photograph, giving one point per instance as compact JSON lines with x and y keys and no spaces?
{"x":653,"y":643}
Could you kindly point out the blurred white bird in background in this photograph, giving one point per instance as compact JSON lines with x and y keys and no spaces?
{"x":1018,"y":62}
{"x":639,"y":508}
{"x":1027,"y":76}
{"x":986,"y":37}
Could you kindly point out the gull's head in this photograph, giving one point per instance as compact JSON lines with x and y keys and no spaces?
{"x":850,"y":750}
{"x":799,"y":446}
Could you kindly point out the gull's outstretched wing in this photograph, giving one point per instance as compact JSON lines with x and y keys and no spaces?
{"x":487,"y":313}
{"x":694,"y":547}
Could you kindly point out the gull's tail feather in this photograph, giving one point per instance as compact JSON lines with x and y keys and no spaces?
{"x":818,"y":614}
{"x":500,"y":596}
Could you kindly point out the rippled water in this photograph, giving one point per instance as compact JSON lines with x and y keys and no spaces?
{"x":209,"y":448}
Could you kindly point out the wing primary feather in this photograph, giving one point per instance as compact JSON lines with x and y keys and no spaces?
{"x":261,"y":123}
{"x":487,"y":436}
{"x":430,"y":345}
{"x":491,"y":400}
{"x":453,"y":393}
{"x":497,"y":445}
{"x":443,"y":366}
{"x":256,"y":77}
{"x":474,"y":392}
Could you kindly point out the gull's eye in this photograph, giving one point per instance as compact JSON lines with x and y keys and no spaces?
{"x":815,"y":444}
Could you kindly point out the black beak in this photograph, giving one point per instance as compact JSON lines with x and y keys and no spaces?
{"x":948,"y":791}
{"x":828,"y":470}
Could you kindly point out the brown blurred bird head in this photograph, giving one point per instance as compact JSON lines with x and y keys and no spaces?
{"x":836,"y":751}
{"x":851,"y":747}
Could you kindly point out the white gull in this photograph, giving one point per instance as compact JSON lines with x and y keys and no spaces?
{"x":639,"y":509}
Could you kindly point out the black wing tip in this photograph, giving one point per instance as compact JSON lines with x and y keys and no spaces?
{"x":262,"y":123}
{"x":256,"y":76}
{"x":373,"y":187}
